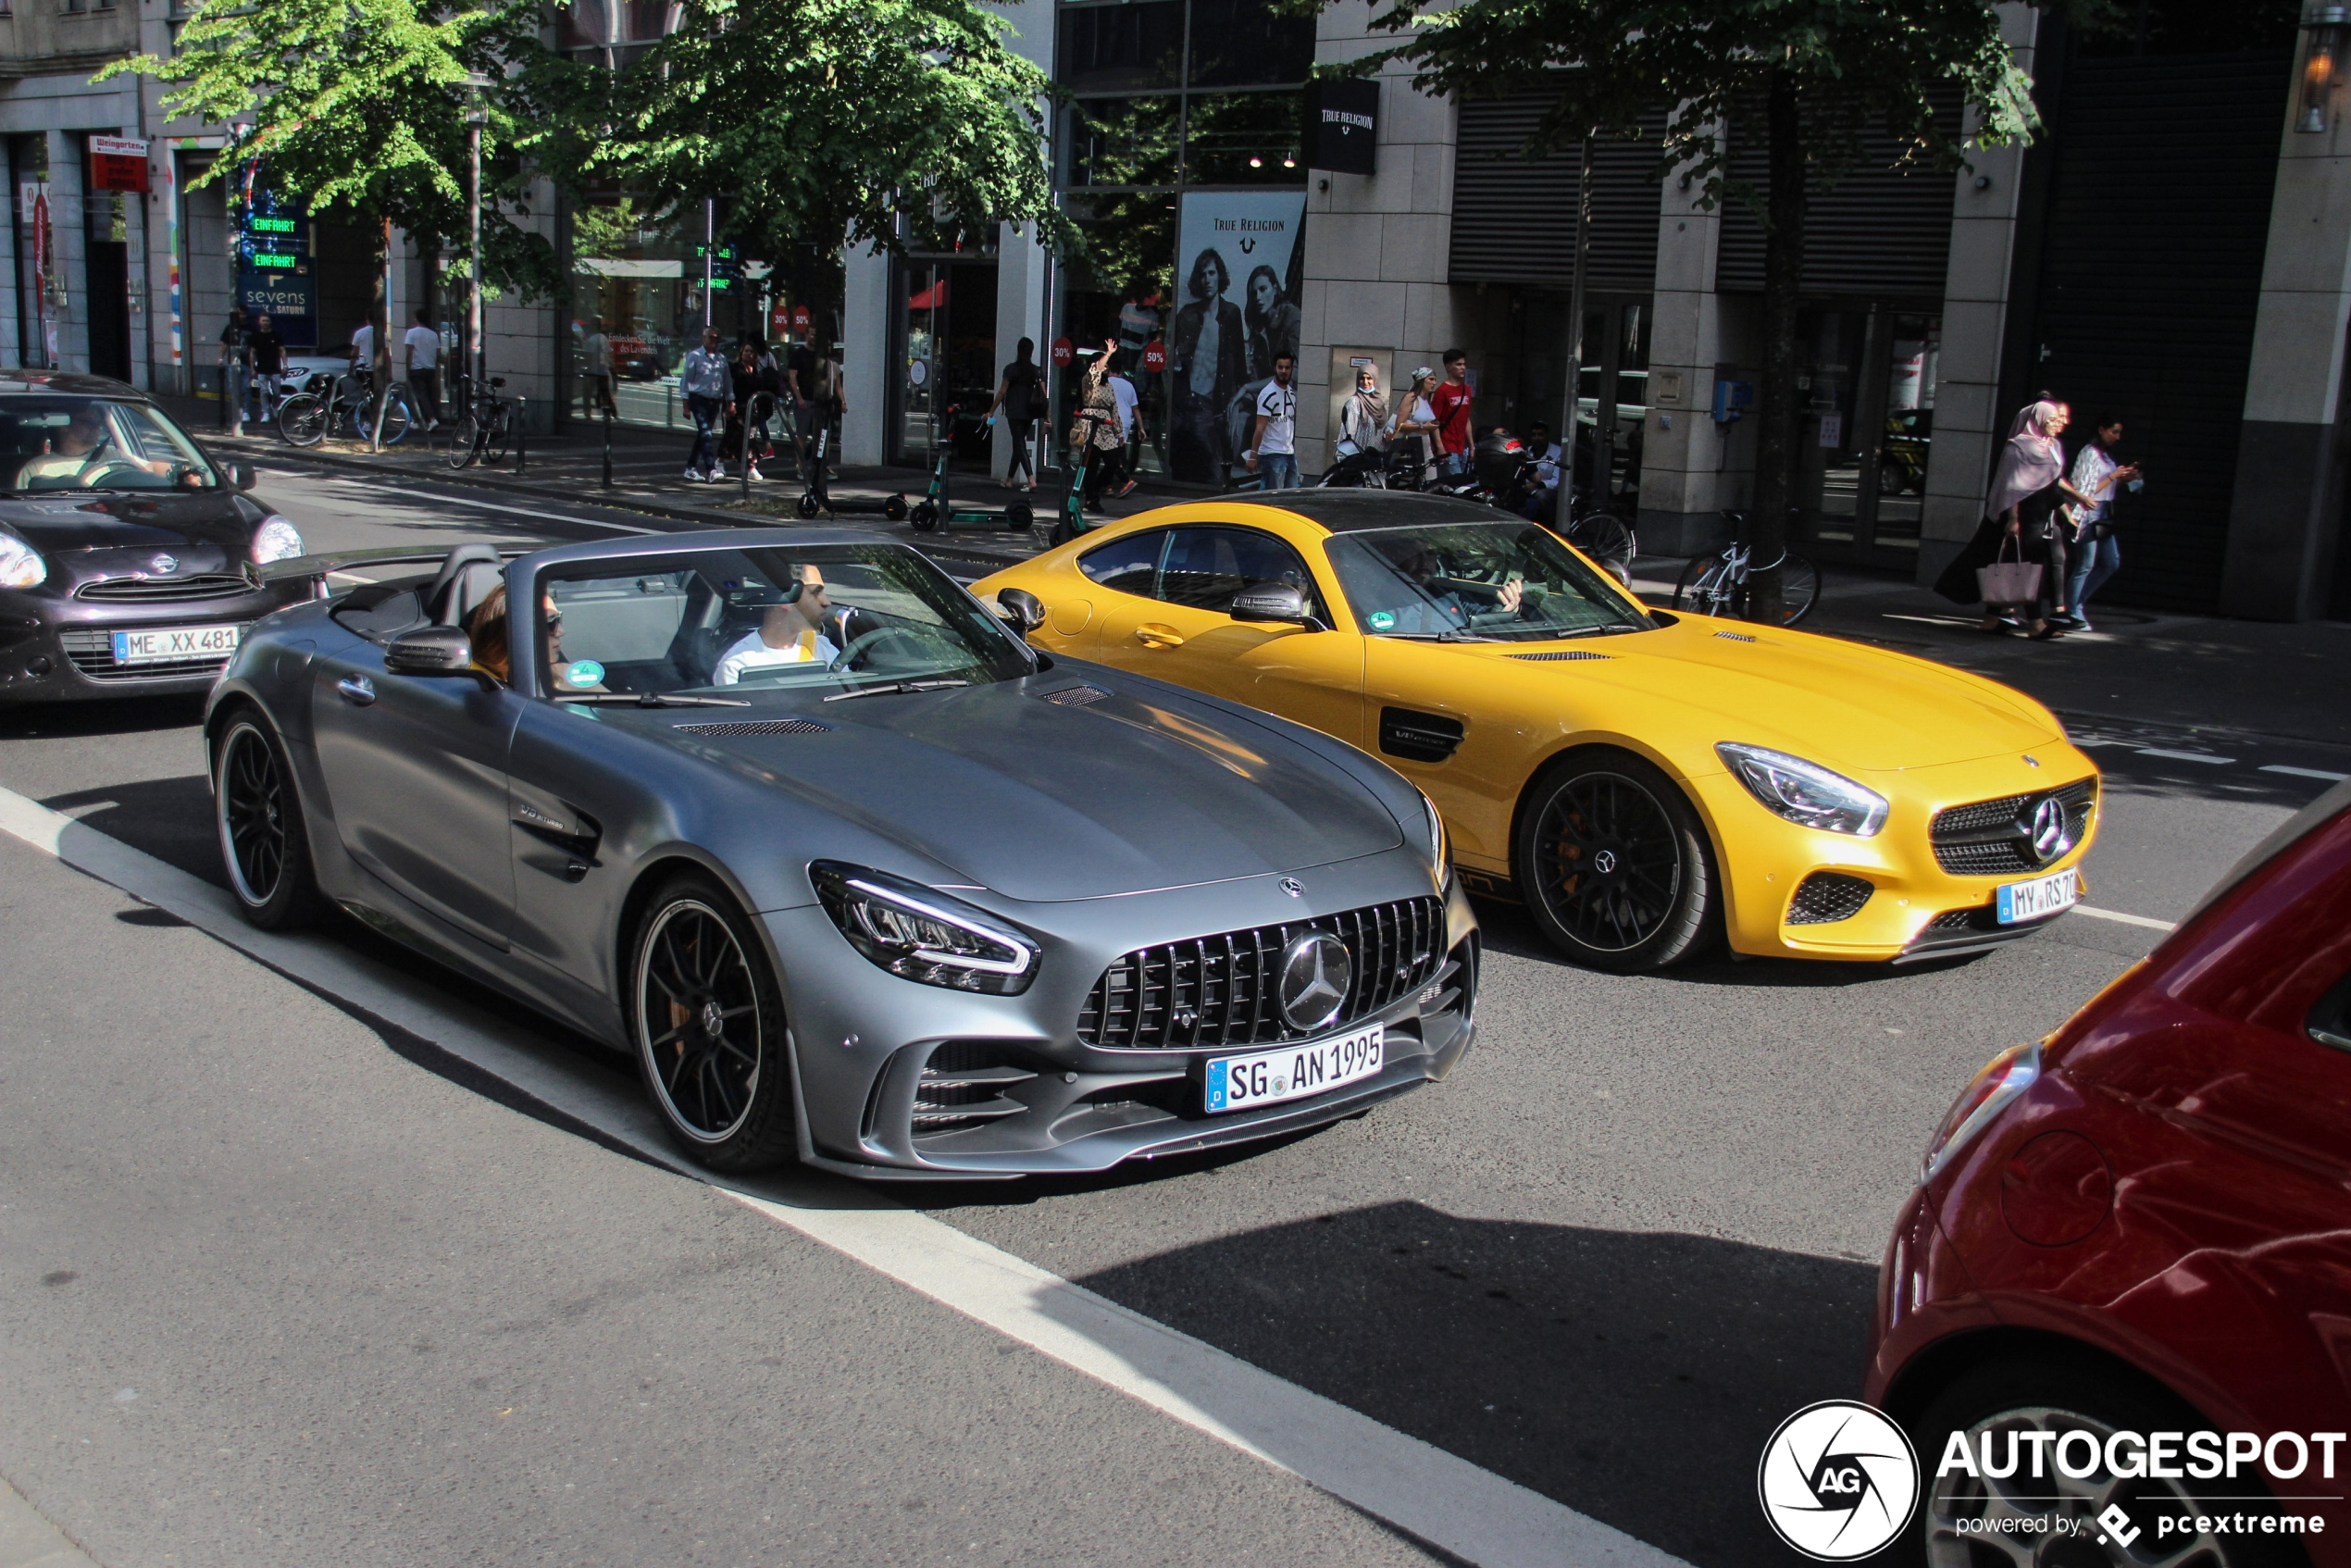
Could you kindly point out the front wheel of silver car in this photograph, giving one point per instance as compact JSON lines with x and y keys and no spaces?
{"x":708,"y":1024}
{"x":2077,"y":1512}
{"x":257,"y":812}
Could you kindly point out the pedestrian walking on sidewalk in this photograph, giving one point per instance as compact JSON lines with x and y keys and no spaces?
{"x":1452,"y":403}
{"x":598,"y":374}
{"x":268,"y":362}
{"x":703,"y":377}
{"x":1272,"y":447}
{"x":1130,"y":426}
{"x":2023,"y":520}
{"x":802,"y":372}
{"x":755,"y":388}
{"x":2099,"y":475}
{"x":1096,"y":397}
{"x":1363,"y":421}
{"x":1017,"y":398}
{"x":422,"y":345}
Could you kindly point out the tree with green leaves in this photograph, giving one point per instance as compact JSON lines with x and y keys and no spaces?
{"x":822,"y":124}
{"x":1811,"y":77}
{"x":359,"y":107}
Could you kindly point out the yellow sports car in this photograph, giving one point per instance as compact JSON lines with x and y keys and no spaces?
{"x":1643,"y":783}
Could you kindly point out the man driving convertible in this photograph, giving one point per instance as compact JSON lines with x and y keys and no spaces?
{"x":798,"y":629}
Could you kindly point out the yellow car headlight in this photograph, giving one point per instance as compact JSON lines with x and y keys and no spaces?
{"x":1804,"y":792}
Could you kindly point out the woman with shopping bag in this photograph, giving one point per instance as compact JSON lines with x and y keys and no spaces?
{"x":2015,"y":564}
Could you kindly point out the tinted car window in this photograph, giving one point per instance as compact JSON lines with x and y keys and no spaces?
{"x":1206,"y":566}
{"x":1500,"y":580}
{"x":1129,"y":565}
{"x":59,"y":441}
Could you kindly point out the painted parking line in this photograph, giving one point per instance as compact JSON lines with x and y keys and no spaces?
{"x":2118,"y":915}
{"x":1471,"y":1513}
{"x":2187,"y":756}
{"x":2305,"y":772}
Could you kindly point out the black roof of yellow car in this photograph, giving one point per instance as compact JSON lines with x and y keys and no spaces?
{"x":1346,"y":511}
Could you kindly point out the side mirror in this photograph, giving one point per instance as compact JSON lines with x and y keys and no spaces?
{"x":1019,"y":609}
{"x":1271,"y":602}
{"x":430,"y":649}
{"x":241,"y":477}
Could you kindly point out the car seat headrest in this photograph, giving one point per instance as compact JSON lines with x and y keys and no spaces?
{"x":443,"y":599}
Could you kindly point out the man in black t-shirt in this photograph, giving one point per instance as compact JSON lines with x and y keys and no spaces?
{"x":269,"y":361}
{"x":801,"y":376}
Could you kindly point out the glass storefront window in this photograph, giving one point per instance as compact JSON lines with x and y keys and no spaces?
{"x":1830,"y":443}
{"x":1249,"y":44}
{"x":1118,"y":48}
{"x":1914,"y":347}
{"x":1243,"y":139}
{"x":1869,"y":421}
{"x":948,"y":327}
{"x":1120,"y":142}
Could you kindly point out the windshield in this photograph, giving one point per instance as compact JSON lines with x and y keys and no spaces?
{"x":1468,"y":582}
{"x":827,"y":620}
{"x":59,"y":442}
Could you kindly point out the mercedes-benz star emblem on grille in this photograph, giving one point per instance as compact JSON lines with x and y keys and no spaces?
{"x":2046,"y":830}
{"x":165,"y":566}
{"x":1315,"y":972}
{"x":1293,"y":887}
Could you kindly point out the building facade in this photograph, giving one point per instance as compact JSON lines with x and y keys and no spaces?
{"x":2174,"y":252}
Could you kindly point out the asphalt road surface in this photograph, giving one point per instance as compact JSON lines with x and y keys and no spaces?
{"x":282,"y":1283}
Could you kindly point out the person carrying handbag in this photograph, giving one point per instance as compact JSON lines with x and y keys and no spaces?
{"x":2024,"y":516}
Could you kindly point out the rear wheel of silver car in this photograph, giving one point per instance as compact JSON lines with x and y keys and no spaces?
{"x":709,"y":1028}
{"x":2027,"y":1521}
{"x":258,"y":813}
{"x":1614,"y":862}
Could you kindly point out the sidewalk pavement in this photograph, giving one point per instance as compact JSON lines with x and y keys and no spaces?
{"x":2186,"y":673}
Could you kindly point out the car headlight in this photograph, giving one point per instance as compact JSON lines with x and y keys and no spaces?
{"x":1439,"y":852}
{"x":1806,"y":793}
{"x":276,"y":540}
{"x":2004,"y":1077}
{"x":20,"y":565}
{"x":920,"y":935}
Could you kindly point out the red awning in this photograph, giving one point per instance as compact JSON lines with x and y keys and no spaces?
{"x":932,"y":298}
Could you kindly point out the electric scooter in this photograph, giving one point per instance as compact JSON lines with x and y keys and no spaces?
{"x":937,"y":509}
{"x":1073,"y":520}
{"x":818,"y":497}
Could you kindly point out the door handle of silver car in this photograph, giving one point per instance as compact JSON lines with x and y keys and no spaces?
{"x":357,"y":689}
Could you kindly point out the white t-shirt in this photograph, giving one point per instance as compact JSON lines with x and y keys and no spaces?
{"x":1279,"y":403}
{"x":363,"y":343}
{"x":752,"y":653}
{"x":424,"y":347}
{"x":1123,"y":390}
{"x":598,"y":354}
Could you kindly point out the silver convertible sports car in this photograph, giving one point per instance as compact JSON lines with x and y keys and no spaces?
{"x":855,"y":874}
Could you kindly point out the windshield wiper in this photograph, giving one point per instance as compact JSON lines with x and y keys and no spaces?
{"x":650,"y":699}
{"x":1436,"y":637}
{"x":889,"y":686}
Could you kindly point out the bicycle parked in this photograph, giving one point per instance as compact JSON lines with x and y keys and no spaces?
{"x":482,"y":433}
{"x":1719,"y":585}
{"x":331,"y":403}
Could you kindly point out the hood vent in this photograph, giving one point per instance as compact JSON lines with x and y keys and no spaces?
{"x":757,"y":727}
{"x":1735,"y":636}
{"x":1074,"y":696}
{"x":1563,"y":653}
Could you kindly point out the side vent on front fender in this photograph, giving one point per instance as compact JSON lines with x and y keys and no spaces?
{"x":1403,"y":732}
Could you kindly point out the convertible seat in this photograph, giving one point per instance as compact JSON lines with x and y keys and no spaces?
{"x":469,"y":575}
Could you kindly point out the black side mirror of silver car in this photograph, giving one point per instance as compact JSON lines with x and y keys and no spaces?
{"x":1019,"y":609}
{"x":1271,"y":602}
{"x":430,"y":649}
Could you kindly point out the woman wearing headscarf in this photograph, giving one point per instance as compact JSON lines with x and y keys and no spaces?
{"x":2021,"y":514}
{"x":1363,"y":418}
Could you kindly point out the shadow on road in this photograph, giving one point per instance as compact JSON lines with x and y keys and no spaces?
{"x":1632,"y":1377}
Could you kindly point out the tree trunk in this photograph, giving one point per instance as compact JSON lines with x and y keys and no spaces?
{"x":1782,"y":282}
{"x":380,"y":313}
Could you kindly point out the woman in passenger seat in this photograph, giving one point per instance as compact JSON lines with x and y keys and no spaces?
{"x":487,"y":629}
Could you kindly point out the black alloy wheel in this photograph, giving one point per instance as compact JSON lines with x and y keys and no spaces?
{"x":2010,"y":1401}
{"x":1614,"y":864}
{"x":709,"y":1029}
{"x":259,"y":811}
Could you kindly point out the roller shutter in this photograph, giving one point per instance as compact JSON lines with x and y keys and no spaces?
{"x":1515,"y":216}
{"x":2157,"y":223}
{"x":1881,"y":231}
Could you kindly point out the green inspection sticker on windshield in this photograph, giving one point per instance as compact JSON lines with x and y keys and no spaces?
{"x":1380,"y":620}
{"x":584,"y":673}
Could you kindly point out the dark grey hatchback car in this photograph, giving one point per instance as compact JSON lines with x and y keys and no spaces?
{"x":130,"y":561}
{"x":852,"y":872}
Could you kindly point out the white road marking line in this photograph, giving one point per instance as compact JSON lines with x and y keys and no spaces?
{"x":2125,"y":919}
{"x":29,"y":1541}
{"x":1439,"y":1497}
{"x":496,"y":506}
{"x":2185,"y":756}
{"x":2305,"y":772}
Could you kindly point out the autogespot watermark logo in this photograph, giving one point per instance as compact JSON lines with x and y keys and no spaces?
{"x":1838,"y":1480}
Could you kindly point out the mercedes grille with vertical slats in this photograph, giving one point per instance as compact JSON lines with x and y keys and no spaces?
{"x":1995,"y":838}
{"x":1217,"y":991}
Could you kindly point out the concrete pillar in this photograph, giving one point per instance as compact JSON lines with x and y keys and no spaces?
{"x":1685,"y":457}
{"x":1970,"y":426}
{"x":867,"y":366}
{"x":2285,"y":518}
